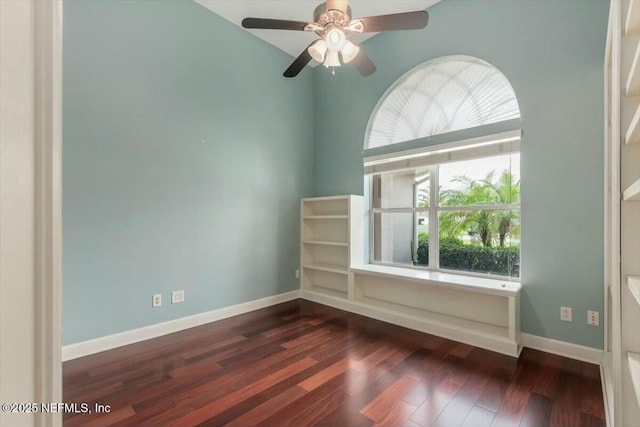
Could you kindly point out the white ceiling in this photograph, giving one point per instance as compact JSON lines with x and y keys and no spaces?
{"x":292,"y":42}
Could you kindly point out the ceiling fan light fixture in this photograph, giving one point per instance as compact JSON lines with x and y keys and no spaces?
{"x":332,"y":59}
{"x":349,"y":51}
{"x":332,"y":22}
{"x":335,"y":40}
{"x":318,"y":50}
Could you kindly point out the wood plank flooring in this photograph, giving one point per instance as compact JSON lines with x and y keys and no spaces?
{"x":304,"y":364}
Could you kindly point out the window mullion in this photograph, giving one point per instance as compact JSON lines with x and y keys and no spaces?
{"x":434,"y":258}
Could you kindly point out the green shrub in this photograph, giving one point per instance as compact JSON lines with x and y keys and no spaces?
{"x":455,"y":255}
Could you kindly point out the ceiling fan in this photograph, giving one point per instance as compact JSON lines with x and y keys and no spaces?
{"x":332,"y":22}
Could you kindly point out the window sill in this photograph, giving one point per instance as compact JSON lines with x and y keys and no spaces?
{"x":447,"y":280}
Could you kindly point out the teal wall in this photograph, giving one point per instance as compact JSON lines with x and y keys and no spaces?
{"x":553,"y":53}
{"x":185,"y":156}
{"x":186,"y":153}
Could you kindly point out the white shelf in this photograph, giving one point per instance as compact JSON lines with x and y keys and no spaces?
{"x":337,"y":269}
{"x":633,"y":132}
{"x":326,"y":291}
{"x":632,"y":23}
{"x":325,"y":243}
{"x":633,"y":81}
{"x":446,"y":280}
{"x":326,"y":217}
{"x":634,"y":286}
{"x":634,"y":369}
{"x":632,"y":193}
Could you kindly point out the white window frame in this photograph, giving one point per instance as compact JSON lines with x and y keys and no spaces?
{"x":432,"y":158}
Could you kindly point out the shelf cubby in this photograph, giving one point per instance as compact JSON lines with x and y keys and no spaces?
{"x":329,"y":283}
{"x":326,"y":230}
{"x":325,"y":206}
{"x":632,"y":136}
{"x":633,"y":282}
{"x":632,"y":193}
{"x":330,"y":268}
{"x":633,"y":81}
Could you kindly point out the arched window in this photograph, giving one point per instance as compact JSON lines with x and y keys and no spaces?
{"x":450,"y":203}
{"x":440,"y":96}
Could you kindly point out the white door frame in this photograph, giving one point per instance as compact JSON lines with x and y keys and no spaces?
{"x":30,"y":210}
{"x":48,"y":206}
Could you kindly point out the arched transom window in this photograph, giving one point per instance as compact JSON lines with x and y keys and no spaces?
{"x":440,"y":96}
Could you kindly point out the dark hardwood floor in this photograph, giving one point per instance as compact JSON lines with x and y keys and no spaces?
{"x":304,"y":364}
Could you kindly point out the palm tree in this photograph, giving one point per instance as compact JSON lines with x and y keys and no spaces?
{"x":485,"y":223}
{"x":505,"y":191}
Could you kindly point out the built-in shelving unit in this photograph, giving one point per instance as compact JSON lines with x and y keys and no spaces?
{"x":632,"y":193}
{"x":477,"y":311}
{"x":622,"y":246}
{"x":481,"y":312}
{"x":331,"y":240}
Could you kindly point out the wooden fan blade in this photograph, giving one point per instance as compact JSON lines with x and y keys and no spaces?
{"x":299,"y":63}
{"x":273,"y":24}
{"x":363,"y":64}
{"x":340,"y":5}
{"x":395,"y":22}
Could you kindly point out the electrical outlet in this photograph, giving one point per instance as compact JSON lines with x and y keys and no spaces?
{"x":593,"y":318}
{"x":297,"y":274}
{"x":177,"y":296}
{"x":565,"y":314}
{"x":157,"y":300}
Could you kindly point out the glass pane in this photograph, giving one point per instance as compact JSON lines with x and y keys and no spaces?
{"x":422,"y":251}
{"x":405,"y":189}
{"x":401,"y":238}
{"x":485,"y":241}
{"x":491,"y":180}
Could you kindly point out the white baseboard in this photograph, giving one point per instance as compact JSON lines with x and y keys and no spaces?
{"x":85,"y":348}
{"x":561,"y":348}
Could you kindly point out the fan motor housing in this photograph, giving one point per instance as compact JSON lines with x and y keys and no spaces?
{"x":322,"y":16}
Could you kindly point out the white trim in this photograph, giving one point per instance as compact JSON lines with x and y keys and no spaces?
{"x":458,"y":208}
{"x":85,"y":348}
{"x":606,"y":381}
{"x":612,"y":149}
{"x":562,"y":348}
{"x":467,"y":143}
{"x":48,"y":206}
{"x":436,"y":155}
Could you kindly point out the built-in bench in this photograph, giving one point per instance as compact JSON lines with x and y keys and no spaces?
{"x":477,"y":311}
